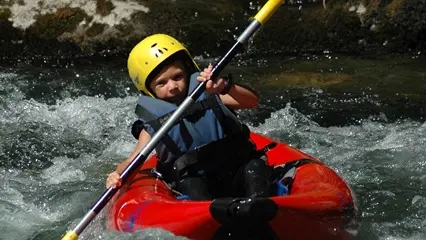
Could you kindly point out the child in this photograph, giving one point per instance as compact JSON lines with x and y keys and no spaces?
{"x":208,"y":153}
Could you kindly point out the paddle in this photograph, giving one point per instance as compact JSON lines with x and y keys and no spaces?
{"x":261,"y":17}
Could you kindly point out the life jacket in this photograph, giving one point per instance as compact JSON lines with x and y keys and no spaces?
{"x":207,"y":120}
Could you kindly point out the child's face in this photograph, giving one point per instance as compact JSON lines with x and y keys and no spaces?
{"x":170,"y":83}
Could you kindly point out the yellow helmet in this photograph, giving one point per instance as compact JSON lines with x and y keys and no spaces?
{"x":146,"y":58}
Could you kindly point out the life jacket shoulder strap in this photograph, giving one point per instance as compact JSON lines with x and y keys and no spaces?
{"x":156,"y":125}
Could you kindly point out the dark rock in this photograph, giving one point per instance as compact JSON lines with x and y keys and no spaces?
{"x":208,"y":29}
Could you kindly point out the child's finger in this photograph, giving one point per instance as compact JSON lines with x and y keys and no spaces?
{"x":204,"y":74}
{"x":219,"y":81}
{"x":209,"y":84}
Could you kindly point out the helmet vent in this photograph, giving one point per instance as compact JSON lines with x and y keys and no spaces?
{"x":146,"y":63}
{"x":153,"y":45}
{"x":165,"y":49}
{"x":160,"y":51}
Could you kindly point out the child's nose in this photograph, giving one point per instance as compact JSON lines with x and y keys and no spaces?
{"x":173,"y":85}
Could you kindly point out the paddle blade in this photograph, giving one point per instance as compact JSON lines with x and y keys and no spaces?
{"x":268,"y":10}
{"x":70,"y":235}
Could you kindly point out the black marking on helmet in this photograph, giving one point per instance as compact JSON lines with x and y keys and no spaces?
{"x":160,"y":51}
{"x":156,"y":55}
{"x":136,"y":80}
{"x":146,"y":63}
{"x":153,"y":45}
{"x":165,"y":49}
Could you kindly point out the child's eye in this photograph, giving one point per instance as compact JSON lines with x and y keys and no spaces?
{"x":178,"y":77}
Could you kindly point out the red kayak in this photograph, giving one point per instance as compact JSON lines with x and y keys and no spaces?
{"x":312,"y":202}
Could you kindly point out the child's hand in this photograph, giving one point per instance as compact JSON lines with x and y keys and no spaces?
{"x":113,"y":180}
{"x":212,"y":86}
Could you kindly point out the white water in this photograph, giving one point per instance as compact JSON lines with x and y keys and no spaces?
{"x":73,"y":143}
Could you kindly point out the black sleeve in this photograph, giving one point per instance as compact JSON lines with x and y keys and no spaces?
{"x":137,"y":127}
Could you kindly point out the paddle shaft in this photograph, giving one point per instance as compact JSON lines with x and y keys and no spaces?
{"x":261,"y":17}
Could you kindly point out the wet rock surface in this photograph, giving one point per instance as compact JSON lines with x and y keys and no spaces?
{"x":108,"y":27}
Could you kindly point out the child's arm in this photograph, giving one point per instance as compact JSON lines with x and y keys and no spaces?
{"x":237,"y":97}
{"x":113,"y":179}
